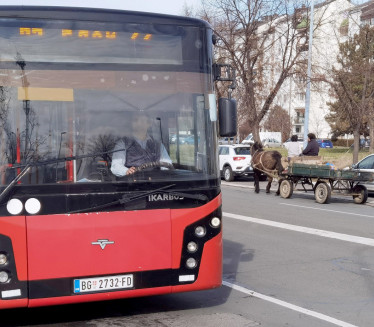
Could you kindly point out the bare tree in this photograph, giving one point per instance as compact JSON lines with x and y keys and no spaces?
{"x":8,"y":138}
{"x":279,"y":121}
{"x":265,"y":41}
{"x":102,"y":145}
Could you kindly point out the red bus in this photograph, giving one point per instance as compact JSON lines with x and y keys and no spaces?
{"x":82,"y":218}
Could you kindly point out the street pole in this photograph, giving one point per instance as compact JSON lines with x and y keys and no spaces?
{"x":307,"y":94}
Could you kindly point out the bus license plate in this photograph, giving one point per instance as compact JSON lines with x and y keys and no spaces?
{"x":103,"y":283}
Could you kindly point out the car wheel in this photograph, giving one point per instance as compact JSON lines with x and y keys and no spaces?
{"x":228,"y":174}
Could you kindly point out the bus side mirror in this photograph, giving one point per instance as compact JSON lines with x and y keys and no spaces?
{"x":227,"y":117}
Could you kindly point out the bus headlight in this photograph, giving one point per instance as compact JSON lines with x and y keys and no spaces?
{"x":4,"y":277}
{"x":33,"y":206}
{"x":200,"y":231}
{"x":14,"y":206}
{"x":191,"y":263}
{"x":215,"y":222}
{"x":3,"y":259}
{"x":191,"y":247}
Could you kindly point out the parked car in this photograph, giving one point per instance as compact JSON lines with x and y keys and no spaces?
{"x":366,"y":165}
{"x":235,"y":160}
{"x":263,"y":136}
{"x":325,"y":143}
{"x":180,"y":138}
{"x":364,"y":143}
{"x":226,"y":140}
{"x":187,"y":139}
{"x":172,"y":138}
{"x":271,"y":143}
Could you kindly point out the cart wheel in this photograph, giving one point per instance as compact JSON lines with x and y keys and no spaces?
{"x":322,"y":192}
{"x":286,"y":188}
{"x":362,"y":198}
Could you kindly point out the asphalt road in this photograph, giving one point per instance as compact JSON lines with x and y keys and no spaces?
{"x":287,"y":262}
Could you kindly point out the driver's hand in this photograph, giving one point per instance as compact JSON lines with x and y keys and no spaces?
{"x":130,"y":171}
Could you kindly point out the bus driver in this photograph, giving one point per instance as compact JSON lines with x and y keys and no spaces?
{"x":139,"y":149}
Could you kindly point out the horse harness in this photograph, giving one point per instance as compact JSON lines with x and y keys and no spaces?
{"x":269,"y":172}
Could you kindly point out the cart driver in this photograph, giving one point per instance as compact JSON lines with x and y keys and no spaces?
{"x":138,"y":149}
{"x":312,"y":149}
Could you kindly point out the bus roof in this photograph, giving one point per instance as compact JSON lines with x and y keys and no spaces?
{"x":97,"y":14}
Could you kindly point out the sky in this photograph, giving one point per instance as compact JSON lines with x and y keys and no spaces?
{"x":171,"y":7}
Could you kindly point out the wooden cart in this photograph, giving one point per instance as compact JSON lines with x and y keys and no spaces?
{"x":324,"y":182}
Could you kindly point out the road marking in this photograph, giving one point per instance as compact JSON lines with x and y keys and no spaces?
{"x":288,"y":305}
{"x":237,"y":185}
{"x":335,"y":211}
{"x":307,"y":230}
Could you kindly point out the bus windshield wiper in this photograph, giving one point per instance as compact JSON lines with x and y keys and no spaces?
{"x":15,"y":180}
{"x":124,"y":200}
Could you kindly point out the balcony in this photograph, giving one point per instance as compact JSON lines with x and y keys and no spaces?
{"x":299,"y":121}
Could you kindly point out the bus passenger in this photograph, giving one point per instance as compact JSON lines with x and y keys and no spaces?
{"x":312,"y":149}
{"x":139,"y":149}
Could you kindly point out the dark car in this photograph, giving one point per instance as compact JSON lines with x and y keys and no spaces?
{"x":190,"y":139}
{"x":325,"y":143}
{"x":364,"y":143}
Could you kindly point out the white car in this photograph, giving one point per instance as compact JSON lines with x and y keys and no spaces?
{"x":248,"y":140}
{"x":271,"y":143}
{"x":366,"y":165}
{"x":235,"y":160}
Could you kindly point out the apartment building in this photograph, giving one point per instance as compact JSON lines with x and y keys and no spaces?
{"x":335,"y":21}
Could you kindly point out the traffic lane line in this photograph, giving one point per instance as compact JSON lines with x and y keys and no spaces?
{"x":288,"y":305}
{"x":328,"y":210}
{"x":306,"y":230}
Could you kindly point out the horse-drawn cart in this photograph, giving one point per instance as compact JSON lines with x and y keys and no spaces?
{"x":324,"y":181}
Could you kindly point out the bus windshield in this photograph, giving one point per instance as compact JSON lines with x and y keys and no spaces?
{"x":129,"y":96}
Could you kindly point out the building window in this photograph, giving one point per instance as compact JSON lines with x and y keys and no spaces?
{"x":299,"y":119}
{"x":300,"y":96}
{"x":365,"y":22}
{"x":301,"y":79}
{"x":303,"y":24}
{"x":343,"y":29}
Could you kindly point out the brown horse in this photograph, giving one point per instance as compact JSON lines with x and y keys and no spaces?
{"x":267,"y":162}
